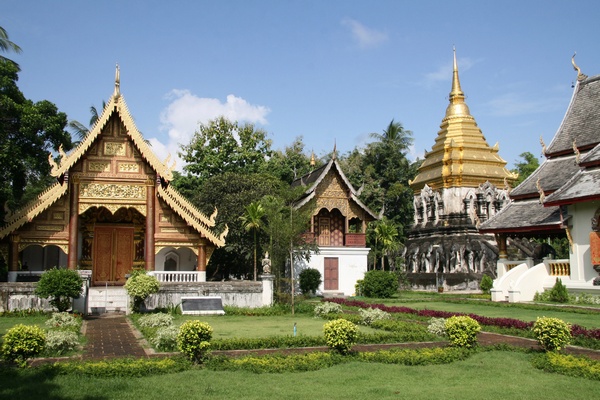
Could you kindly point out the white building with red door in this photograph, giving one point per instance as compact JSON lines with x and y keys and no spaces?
{"x":338,"y":226}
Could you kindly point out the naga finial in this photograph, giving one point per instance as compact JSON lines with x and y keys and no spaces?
{"x":117,"y":92}
{"x":576,"y":151}
{"x":53,"y":165}
{"x":538,"y":185}
{"x":580,"y":75}
{"x":543,"y":145}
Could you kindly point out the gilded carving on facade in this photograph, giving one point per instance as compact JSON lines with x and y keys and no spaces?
{"x":114,"y":149}
{"x":52,"y":228}
{"x":129,"y":167}
{"x":112,"y":207}
{"x":63,"y":245}
{"x":58,"y":215}
{"x":96,"y":166}
{"x":111,"y":191}
{"x":172,"y":230}
{"x":168,"y":245}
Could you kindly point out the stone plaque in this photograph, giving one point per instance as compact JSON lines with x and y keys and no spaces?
{"x":202,"y":305}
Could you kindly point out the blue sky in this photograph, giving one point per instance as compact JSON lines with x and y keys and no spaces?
{"x":329,"y":71}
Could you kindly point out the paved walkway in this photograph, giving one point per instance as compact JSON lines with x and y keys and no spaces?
{"x":109,"y":336}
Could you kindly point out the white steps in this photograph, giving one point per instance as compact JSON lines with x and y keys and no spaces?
{"x":107,"y":299}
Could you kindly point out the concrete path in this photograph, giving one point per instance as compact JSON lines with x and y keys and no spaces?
{"x":110,"y":336}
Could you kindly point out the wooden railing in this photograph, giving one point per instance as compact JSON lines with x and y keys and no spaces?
{"x":355,"y":240}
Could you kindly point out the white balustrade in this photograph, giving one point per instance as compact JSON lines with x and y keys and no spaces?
{"x":176,"y":276}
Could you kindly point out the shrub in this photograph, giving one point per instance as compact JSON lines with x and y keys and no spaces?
{"x":437,"y":326}
{"x":63,"y":320}
{"x":552,"y":333}
{"x":309,"y":280}
{"x":327,"y":307}
{"x":462,"y":331}
{"x":155,"y":320}
{"x":165,"y":338}
{"x":380,"y":284}
{"x":61,"y":286}
{"x":22,"y":342}
{"x":370,"y":315}
{"x":559,"y":292}
{"x":193,"y":339}
{"x":139,"y":286}
{"x":486,"y":284}
{"x":340,"y":335}
{"x":59,"y":342}
{"x":359,"y":288}
{"x":568,"y":365}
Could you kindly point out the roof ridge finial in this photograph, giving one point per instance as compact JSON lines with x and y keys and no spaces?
{"x":580,"y":76}
{"x":313,"y":162}
{"x":117,"y":92}
{"x":334,"y":155}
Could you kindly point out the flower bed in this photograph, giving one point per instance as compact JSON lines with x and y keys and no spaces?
{"x":576,"y":330}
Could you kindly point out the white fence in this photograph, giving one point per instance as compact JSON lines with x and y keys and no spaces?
{"x":179,"y":276}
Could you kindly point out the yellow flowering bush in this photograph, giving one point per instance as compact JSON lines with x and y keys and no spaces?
{"x":340,"y":335}
{"x":552,"y":333}
{"x":22,"y":342}
{"x":193,"y":339}
{"x":462,"y":331}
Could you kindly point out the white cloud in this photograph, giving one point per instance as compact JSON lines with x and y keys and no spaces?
{"x":181,"y":117}
{"x":365,"y":37}
{"x":512,"y":104}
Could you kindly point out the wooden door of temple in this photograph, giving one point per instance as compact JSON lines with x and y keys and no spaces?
{"x":331,"y":273}
{"x":113,"y":254}
{"x":324,"y":232}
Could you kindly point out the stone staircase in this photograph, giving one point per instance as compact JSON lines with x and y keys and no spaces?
{"x":111,"y":299}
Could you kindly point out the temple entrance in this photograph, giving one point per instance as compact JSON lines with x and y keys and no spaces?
{"x":331,"y":273}
{"x":113,"y":254}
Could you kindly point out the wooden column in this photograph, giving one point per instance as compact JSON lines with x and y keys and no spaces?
{"x":149,"y":255}
{"x":73,"y":225}
{"x":13,"y":253}
{"x":501,"y":240}
{"x":202,"y":257}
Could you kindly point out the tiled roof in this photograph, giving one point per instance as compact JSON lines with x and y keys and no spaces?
{"x":585,"y":185}
{"x":552,"y":174}
{"x":582,"y":119}
{"x":524,"y":216}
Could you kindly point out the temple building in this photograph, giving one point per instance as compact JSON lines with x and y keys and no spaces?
{"x":461,"y":183}
{"x":111,"y":210}
{"x":338,"y":226}
{"x":560,"y":198}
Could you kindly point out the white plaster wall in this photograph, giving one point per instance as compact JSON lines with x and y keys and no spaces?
{"x":352,"y":265}
{"x":187,"y":259}
{"x":580,"y":255}
{"x":453,"y":199}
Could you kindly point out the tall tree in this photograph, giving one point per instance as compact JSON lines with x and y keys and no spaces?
{"x":526,"y":167}
{"x":7,"y":46}
{"x":382,"y":171}
{"x":28,"y":132}
{"x":289,"y":164}
{"x":252,"y":220}
{"x":224,"y":146}
{"x":231,"y":192}
{"x":386,"y":236}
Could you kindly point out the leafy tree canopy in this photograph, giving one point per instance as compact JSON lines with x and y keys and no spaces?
{"x":222,"y":146}
{"x":526,"y":167}
{"x":28,"y":132}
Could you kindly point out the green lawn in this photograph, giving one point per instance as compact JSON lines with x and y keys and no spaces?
{"x":238,"y":326}
{"x":498,"y":374}
{"x":7,"y":322}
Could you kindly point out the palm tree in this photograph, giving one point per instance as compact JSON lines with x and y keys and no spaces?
{"x":252,"y":221}
{"x":386,"y":234}
{"x":6,"y":46}
{"x":394,"y":135}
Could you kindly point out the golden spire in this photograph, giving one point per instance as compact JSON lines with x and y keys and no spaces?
{"x":457,"y":106}
{"x":460,"y":157}
{"x":313,"y":162}
{"x":334,"y":155}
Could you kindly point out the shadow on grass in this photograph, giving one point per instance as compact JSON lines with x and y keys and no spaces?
{"x":33,"y":383}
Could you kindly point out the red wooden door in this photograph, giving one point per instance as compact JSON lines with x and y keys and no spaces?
{"x":113,"y":254}
{"x":331,"y":273}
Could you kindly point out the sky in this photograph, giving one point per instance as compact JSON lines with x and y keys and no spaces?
{"x":330,"y":71}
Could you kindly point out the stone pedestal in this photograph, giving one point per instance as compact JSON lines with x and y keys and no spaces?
{"x":267,"y":292}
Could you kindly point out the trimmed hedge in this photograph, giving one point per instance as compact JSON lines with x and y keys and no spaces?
{"x":568,"y":365}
